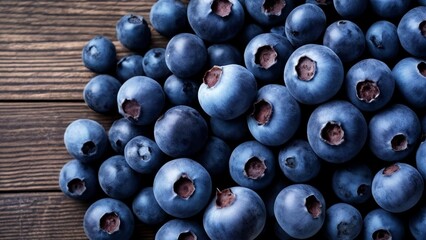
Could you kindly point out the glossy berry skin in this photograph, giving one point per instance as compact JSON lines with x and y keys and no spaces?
{"x":394,"y":132}
{"x":227,"y":92}
{"x":146,"y":208}
{"x":108,"y":218}
{"x":133,"y":32}
{"x":169,"y":17}
{"x":269,"y":13}
{"x":348,"y":9}
{"x":235,"y":213}
{"x":182,"y":187}
{"x":421,"y":159}
{"x":382,"y":40}
{"x":265,"y":56}
{"x":379,"y":223}
{"x":180,"y":131}
{"x":305,"y":24}
{"x":275,"y":117}
{"x":78,"y":180}
{"x":398,"y":187}
{"x":100,"y":94}
{"x":352,"y":183}
{"x":369,"y":84}
{"x":143,"y":155}
{"x":298,"y":161}
{"x":141,"y":100}
{"x":410,"y":76}
{"x":85,"y":140}
{"x":99,"y":55}
{"x":215,"y":156}
{"x":412,"y":31}
{"x":216,"y":21}
{"x":417,"y":223}
{"x":337,"y":131}
{"x":342,"y":221}
{"x":117,"y":179}
{"x":252,"y":165}
{"x":390,"y":8}
{"x":129,"y":66}
{"x":180,"y":229}
{"x":233,"y":130}
{"x":223,"y":54}
{"x":346,"y":39}
{"x":121,"y":132}
{"x":180,"y":91}
{"x":154,"y":64}
{"x":313,"y":74}
{"x":186,"y":55}
{"x":300,"y":210}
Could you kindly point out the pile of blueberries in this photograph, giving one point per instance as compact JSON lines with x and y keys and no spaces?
{"x":260,"y":119}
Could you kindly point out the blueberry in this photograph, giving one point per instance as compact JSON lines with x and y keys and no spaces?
{"x":141,"y":100}
{"x":85,"y":140}
{"x":182,"y":187}
{"x":313,"y":74}
{"x":247,"y":33}
{"x":382,"y":40}
{"x":186,"y":55}
{"x":121,"y":132}
{"x":181,"y":229}
{"x":369,"y":84}
{"x":410,"y":78}
{"x":398,"y":187}
{"x":380,"y":224}
{"x":100,"y":94}
{"x":180,"y":91}
{"x":223,"y":54}
{"x":390,"y":8}
{"x":117,"y":179}
{"x":108,"y":218}
{"x":305,"y":24}
{"x":276,"y":115}
{"x":130,"y":66}
{"x":346,"y":39}
{"x":169,"y":17}
{"x":412,"y":31}
{"x":342,"y":221}
{"x":352,"y":183}
{"x":216,"y":20}
{"x":298,"y":161}
{"x":99,"y":55}
{"x":394,"y":132}
{"x":154,"y":64}
{"x":146,"y":208}
{"x":421,"y":159}
{"x":143,"y":155}
{"x":252,"y":165}
{"x":337,"y":131}
{"x":181,"y":131}
{"x":417,"y":223}
{"x":78,"y":180}
{"x":227,"y":92}
{"x":234,"y":130}
{"x":268,"y":13}
{"x":133,"y":32}
{"x":265,"y":56}
{"x":300,"y":210}
{"x":350,"y":9}
{"x":235,"y":213}
{"x":214,"y":156}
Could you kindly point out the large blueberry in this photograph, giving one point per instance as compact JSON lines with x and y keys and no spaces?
{"x":154,"y":64}
{"x":146,"y":208}
{"x":141,"y":100}
{"x":169,"y":17}
{"x":313,"y":74}
{"x":180,"y":91}
{"x":412,"y":31}
{"x":352,"y":183}
{"x":382,"y":40}
{"x":86,"y":140}
{"x":410,"y":78}
{"x":300,"y":210}
{"x":276,"y":115}
{"x":181,"y":229}
{"x":133,"y":32}
{"x":143,"y":155}
{"x":252,"y":165}
{"x":305,"y":24}
{"x":337,"y":131}
{"x":100,"y":94}
{"x":390,"y":8}
{"x":227,"y":91}
{"x":343,"y":221}
{"x":233,"y":130}
{"x":129,"y":66}
{"x":108,"y":218}
{"x":121,"y":132}
{"x":269,"y":13}
{"x":182,"y":187}
{"x":223,"y":54}
{"x":398,"y":187}
{"x":99,"y":55}
{"x":215,"y":156}
{"x":369,"y":84}
{"x":216,"y":20}
{"x":265,"y":56}
{"x":181,"y":131}
{"x":417,"y":223}
{"x":235,"y":213}
{"x":349,"y":9}
{"x":380,"y":224}
{"x":394,"y":132}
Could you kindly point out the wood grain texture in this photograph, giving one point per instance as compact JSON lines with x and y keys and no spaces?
{"x":48,"y":216}
{"x":41,"y":44}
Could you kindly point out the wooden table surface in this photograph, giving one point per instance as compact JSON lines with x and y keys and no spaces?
{"x":41,"y":82}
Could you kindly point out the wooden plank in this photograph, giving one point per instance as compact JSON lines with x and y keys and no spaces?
{"x":32,"y":151}
{"x":48,"y":215}
{"x":41,"y":44}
